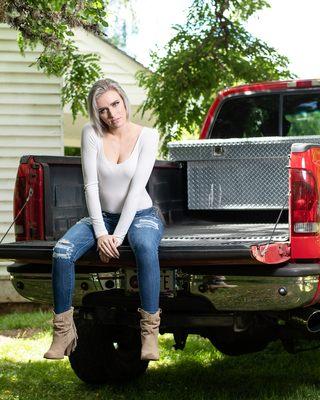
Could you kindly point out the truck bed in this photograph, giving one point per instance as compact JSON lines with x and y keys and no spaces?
{"x":192,"y":238}
{"x":191,"y":241}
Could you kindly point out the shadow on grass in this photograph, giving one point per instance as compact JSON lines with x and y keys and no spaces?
{"x":198,"y":372}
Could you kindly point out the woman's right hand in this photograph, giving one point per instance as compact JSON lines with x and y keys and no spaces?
{"x":108,"y":245}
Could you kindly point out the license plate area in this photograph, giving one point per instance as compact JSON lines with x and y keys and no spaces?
{"x":167,"y":281}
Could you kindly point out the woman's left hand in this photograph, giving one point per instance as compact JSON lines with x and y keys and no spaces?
{"x":103,"y":257}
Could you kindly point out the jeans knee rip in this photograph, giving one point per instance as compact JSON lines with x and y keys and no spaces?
{"x":63,"y":249}
{"x":146,"y":223}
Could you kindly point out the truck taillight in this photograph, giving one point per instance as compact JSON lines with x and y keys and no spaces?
{"x":304,"y":202}
{"x":28,"y":202}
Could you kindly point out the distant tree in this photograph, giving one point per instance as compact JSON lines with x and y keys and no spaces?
{"x":50,"y":23}
{"x":211,"y":51}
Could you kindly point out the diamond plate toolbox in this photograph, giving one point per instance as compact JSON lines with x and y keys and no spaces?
{"x":249,"y":173}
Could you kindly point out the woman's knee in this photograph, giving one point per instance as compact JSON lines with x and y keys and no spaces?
{"x":143,"y":245}
{"x":63,"y":250}
{"x":147,"y":239}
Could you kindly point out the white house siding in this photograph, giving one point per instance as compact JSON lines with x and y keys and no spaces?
{"x":30,"y":123}
{"x":116,"y":65}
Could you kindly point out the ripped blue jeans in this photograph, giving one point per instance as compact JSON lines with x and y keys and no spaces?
{"x":144,"y":236}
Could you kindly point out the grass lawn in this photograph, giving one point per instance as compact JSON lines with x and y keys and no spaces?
{"x":198,"y":372}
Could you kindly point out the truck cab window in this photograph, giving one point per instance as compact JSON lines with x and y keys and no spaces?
{"x":241,"y":117}
{"x":301,"y":114}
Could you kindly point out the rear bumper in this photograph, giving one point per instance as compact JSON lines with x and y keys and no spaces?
{"x":251,"y":293}
{"x":240,"y":288}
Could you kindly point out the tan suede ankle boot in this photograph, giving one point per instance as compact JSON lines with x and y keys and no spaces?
{"x":64,"y":336}
{"x":149,"y":325}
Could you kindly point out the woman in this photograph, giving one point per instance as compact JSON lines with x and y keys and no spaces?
{"x":117,"y":159}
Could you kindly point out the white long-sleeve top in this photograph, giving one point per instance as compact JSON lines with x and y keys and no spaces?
{"x":117,"y":188}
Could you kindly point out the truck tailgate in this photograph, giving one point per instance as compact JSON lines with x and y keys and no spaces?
{"x":187,"y":243}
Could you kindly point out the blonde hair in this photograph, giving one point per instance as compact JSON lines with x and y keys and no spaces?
{"x":99,"y":88}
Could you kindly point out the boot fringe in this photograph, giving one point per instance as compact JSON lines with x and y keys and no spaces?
{"x":75,"y":341}
{"x":71,"y":347}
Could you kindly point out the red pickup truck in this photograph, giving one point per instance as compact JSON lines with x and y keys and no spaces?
{"x":240,"y":253}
